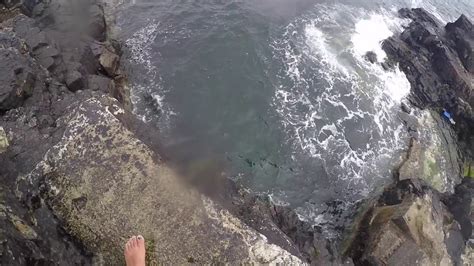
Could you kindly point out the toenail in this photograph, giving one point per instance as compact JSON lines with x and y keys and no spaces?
{"x":140,"y":237}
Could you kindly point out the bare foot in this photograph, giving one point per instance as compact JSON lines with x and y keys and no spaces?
{"x":135,"y":251}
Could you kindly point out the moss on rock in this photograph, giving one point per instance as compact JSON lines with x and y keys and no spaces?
{"x":3,"y":140}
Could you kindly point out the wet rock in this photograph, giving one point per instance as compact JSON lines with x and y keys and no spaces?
{"x":3,"y":140}
{"x":407,"y":225}
{"x":406,"y":107}
{"x":438,"y":64}
{"x":371,"y":57}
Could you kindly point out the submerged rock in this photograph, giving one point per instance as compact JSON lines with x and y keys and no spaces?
{"x":371,"y":57}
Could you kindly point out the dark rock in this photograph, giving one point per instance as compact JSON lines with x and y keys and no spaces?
{"x":371,"y":57}
{"x":75,"y":81}
{"x":45,"y":121}
{"x":10,"y":3}
{"x":460,"y":206}
{"x":16,"y":79}
{"x":419,"y":15}
{"x":438,"y":66}
{"x":88,"y":59}
{"x":406,"y":107}
{"x":32,"y":7}
{"x":462,"y":34}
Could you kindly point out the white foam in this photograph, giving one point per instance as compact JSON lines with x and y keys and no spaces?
{"x":369,"y":34}
{"x":341,"y":73}
{"x":139,"y":46}
{"x":317,"y":41}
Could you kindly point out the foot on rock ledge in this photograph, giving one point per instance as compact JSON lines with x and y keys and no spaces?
{"x":135,"y":251}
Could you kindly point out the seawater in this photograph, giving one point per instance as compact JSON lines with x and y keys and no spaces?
{"x":275,"y":94}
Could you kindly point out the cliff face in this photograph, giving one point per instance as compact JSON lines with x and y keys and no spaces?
{"x":417,"y":221}
{"x":438,"y":62}
{"x":80,"y":173}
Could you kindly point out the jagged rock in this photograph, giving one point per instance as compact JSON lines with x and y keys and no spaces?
{"x":407,"y":225}
{"x":460,"y":205}
{"x":371,"y":57}
{"x":438,"y":66}
{"x":462,"y":33}
{"x":16,"y":79}
{"x":3,"y":140}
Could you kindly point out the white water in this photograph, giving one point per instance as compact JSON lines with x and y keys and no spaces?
{"x":148,"y":80}
{"x":343,"y":87}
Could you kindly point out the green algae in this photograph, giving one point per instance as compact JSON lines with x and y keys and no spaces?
{"x":469,"y":169}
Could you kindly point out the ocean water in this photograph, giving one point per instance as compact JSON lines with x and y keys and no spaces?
{"x":275,"y":94}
